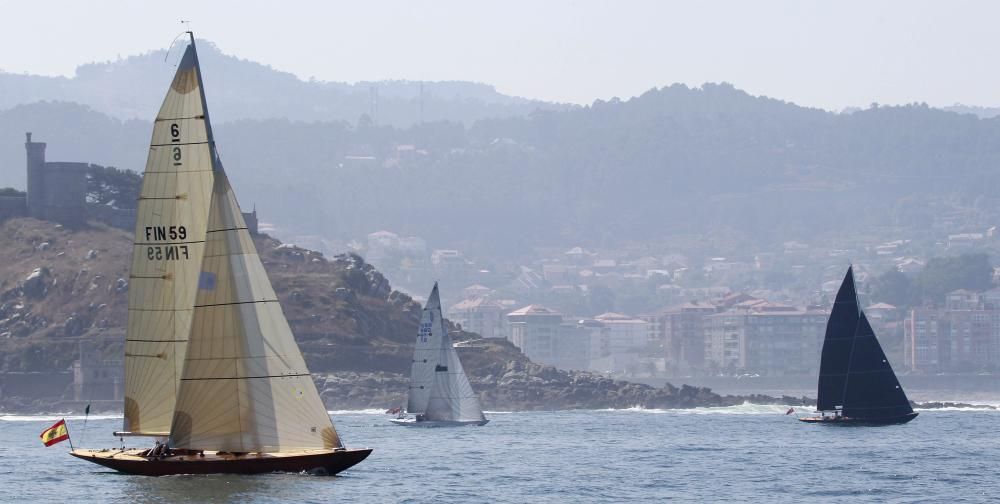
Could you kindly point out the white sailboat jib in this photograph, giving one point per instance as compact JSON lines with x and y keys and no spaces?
{"x":452,"y":398}
{"x":171,"y":220}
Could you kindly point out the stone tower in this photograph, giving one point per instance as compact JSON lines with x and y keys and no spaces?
{"x":56,"y":191}
{"x":36,"y":176}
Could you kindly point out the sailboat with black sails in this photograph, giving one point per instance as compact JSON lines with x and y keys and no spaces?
{"x":212,"y":371}
{"x":856,"y":383}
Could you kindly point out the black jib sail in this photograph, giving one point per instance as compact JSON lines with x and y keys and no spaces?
{"x":872,"y":389}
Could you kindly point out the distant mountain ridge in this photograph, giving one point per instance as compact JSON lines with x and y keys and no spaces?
{"x":132,"y":88}
{"x":725,"y":170}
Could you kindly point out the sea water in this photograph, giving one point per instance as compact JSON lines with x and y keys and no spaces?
{"x":743,"y":453}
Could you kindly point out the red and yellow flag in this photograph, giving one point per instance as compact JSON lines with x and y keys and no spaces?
{"x":55,"y":434}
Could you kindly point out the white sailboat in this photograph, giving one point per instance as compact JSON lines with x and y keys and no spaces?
{"x":212,"y":369}
{"x":440,"y":394}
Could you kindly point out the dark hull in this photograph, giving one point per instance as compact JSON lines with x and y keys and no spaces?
{"x":330,"y":463}
{"x":847,"y":421}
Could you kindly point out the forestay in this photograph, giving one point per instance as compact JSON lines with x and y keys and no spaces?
{"x":166,"y":256}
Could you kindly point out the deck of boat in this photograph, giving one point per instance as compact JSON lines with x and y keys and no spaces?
{"x":313,"y":461}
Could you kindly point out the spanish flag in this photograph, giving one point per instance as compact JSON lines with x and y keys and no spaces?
{"x":55,"y":434}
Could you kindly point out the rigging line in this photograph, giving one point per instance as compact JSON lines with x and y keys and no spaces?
{"x":177,"y":144}
{"x":226,"y":229}
{"x":170,"y":243}
{"x":171,"y":46}
{"x":163,"y":198}
{"x":235,"y":302}
{"x":181,"y":118}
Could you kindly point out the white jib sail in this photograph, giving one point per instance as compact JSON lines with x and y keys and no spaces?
{"x":167,"y":252}
{"x":244,"y":386}
{"x":451,"y":397}
{"x":426,"y":353}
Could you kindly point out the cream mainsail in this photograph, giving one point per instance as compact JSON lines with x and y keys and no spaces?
{"x":166,"y":257}
{"x":449,"y":397}
{"x":244,"y":386}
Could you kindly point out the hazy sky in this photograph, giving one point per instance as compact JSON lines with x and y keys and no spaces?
{"x":827,"y":54}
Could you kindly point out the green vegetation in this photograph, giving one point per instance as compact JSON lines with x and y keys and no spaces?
{"x":714,"y":163}
{"x":941,"y":276}
{"x":110,"y":185}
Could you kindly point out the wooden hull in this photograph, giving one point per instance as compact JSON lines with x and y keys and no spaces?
{"x":328,"y":462}
{"x":847,"y":421}
{"x":410,"y":422}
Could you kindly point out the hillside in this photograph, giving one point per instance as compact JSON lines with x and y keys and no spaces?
{"x":133,"y":87}
{"x":62,"y":288}
{"x":712,"y":165}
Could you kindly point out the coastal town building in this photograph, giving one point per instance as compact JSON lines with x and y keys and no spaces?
{"x":765,"y":338}
{"x":543,"y":337}
{"x":680,"y":331}
{"x":482,"y":316}
{"x":964,"y":336}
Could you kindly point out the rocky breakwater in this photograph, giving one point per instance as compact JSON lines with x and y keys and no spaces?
{"x":526,"y":386}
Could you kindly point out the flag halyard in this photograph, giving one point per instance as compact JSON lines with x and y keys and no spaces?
{"x":55,"y":434}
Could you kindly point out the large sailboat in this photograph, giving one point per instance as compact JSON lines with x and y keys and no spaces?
{"x":440,"y":393}
{"x":856,"y":382}
{"x":212,"y":371}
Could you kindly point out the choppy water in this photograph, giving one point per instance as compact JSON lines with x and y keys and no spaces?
{"x":745,"y":453}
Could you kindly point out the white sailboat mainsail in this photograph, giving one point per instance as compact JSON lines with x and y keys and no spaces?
{"x":451,"y":398}
{"x":166,"y":256}
{"x":426,"y":354}
{"x":244,"y":386}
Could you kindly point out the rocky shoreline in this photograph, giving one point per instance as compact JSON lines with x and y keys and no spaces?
{"x":524,"y":387}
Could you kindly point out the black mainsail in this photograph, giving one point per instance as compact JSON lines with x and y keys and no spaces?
{"x":855,"y":376}
{"x":837,"y":346}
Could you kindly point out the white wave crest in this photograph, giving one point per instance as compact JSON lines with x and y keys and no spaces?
{"x":973,"y":408}
{"x":54,"y":417}
{"x":370,"y":411}
{"x":746,"y":408}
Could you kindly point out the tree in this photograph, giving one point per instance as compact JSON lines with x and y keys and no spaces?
{"x":600,"y":300}
{"x":945,"y":274}
{"x":894,"y":288}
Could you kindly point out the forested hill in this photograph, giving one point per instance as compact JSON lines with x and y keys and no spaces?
{"x":133,"y":87}
{"x":710,"y":162}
